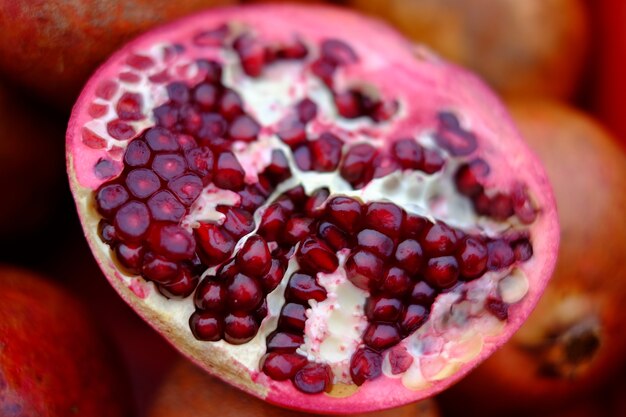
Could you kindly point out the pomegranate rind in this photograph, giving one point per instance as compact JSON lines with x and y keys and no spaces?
{"x":420,"y":74}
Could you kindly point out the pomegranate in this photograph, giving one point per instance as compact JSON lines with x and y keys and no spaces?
{"x":53,"y":363}
{"x":62,"y":42}
{"x":574,"y":342}
{"x":522,"y":48}
{"x":301,"y":224}
{"x":187,"y":392}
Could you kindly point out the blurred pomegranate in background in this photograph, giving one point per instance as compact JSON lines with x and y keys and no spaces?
{"x":190,"y":392}
{"x":51,"y":47}
{"x":575,"y":340}
{"x":53,"y":362}
{"x":522,"y":48}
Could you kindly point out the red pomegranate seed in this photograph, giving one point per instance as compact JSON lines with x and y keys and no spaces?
{"x":274,"y":276}
{"x":325,"y":152}
{"x":306,"y":110}
{"x":216,"y":244}
{"x":375,"y":242}
{"x":251,"y":199}
{"x":169,"y":165}
{"x":380,"y":336}
{"x":365,"y":365}
{"x":228,"y":173}
{"x":498,"y":308}
{"x":239,"y":328}
{"x":442,"y":272}
{"x":107,"y":233}
{"x":186,"y":187}
{"x":302,"y":156}
{"x":212,"y":130}
{"x":178,"y":92}
{"x":213,"y":37}
{"x":278,"y":170}
{"x":137,"y":154}
{"x":409,"y":256}
{"x":90,"y":139}
{"x":384,"y":110}
{"x":500,"y":255}
{"x":303,"y":287}
{"x":316,"y":256}
{"x":396,"y":282}
{"x":291,"y":131}
{"x":120,"y":130}
{"x":186,"y":142}
{"x":106,"y":89}
{"x":523,"y":250}
{"x":324,"y":68}
{"x":161,"y":140}
{"x":381,"y":308}
{"x":423,"y":294}
{"x":523,"y":206}
{"x":286,"y":203}
{"x":413,"y":318}
{"x":296,"y":229}
{"x":408,"y":153}
{"x":231,"y":104}
{"x":469,"y":176}
{"x":501,"y":207}
{"x":384,"y":166}
{"x":105,"y":169}
{"x":206,"y":96}
{"x":182,"y":286}
{"x":129,"y":107}
{"x":254,"y":257}
{"x":384,"y":217}
{"x":338,"y":51}
{"x":412,"y":225}
{"x":272,"y":222}
{"x":282,"y":366}
{"x":251,"y":54}
{"x":210,"y":295}
{"x":130,"y":256}
{"x":364,"y":269}
{"x":452,"y":136}
{"x":227,"y":271}
{"x":261,"y":312}
{"x":140,"y":62}
{"x":400,"y":359}
{"x":345,"y":212}
{"x":142,"y":183}
{"x":472,"y":255}
{"x":171,"y":241}
{"x":333,"y":236}
{"x":190,"y":118}
{"x":159,"y":269}
{"x":132,"y":221}
{"x":244,"y":128}
{"x":243,"y":293}
{"x":439,"y":239}
{"x":200,"y":161}
{"x":313,"y":378}
{"x":166,"y":116}
{"x":206,"y":326}
{"x":237,"y":222}
{"x":316,"y":204}
{"x":284,"y":342}
{"x":292,"y":317}
{"x":109,"y":198}
{"x":349,"y":104}
{"x":356,"y":167}
{"x":210,"y":70}
{"x":433,"y":161}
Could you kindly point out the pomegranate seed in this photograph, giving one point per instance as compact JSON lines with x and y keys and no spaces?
{"x":278,"y":170}
{"x":140,"y":62}
{"x":239,"y":328}
{"x":190,"y":118}
{"x":384,"y":110}
{"x":384,"y":166}
{"x":291,"y":131}
{"x":500,"y":255}
{"x":251,"y":199}
{"x":296,"y":229}
{"x":244,"y":293}
{"x":182,"y":286}
{"x":206,"y":95}
{"x":263,"y":186}
{"x":313,"y":378}
{"x":423,"y":294}
{"x":159,"y":269}
{"x":282,"y":366}
{"x":228,"y":173}
{"x":356,"y":167}
{"x":384,"y":217}
{"x":381,"y":308}
{"x":106,"y":89}
{"x":186,"y":142}
{"x":251,"y":54}
{"x":105,"y":169}
{"x":161,"y":140}
{"x":169,"y":165}
{"x":132,"y":221}
{"x":400,"y":359}
{"x":120,"y":130}
{"x":186,"y":187}
{"x":365,"y":365}
{"x":200,"y":161}
{"x":302,"y":156}
{"x":292,"y":317}
{"x":231,"y":104}
{"x":439,"y":239}
{"x":375,"y":242}
{"x":501,"y":207}
{"x":364,"y":269}
{"x":396,"y":282}
{"x":380,"y":336}
{"x":472,"y":255}
{"x":210,"y":295}
{"x":338,"y":51}
{"x":408,"y":153}
{"x":211,"y":70}
{"x":326,"y":152}
{"x":206,"y":326}
{"x":284,"y":342}
{"x":433,"y":161}
{"x":129,"y":107}
{"x":109,"y":198}
{"x":498,"y":308}
{"x":324,"y":68}
{"x":315,"y":205}
{"x":522,"y":205}
{"x":212,"y":129}
{"x":274,"y":276}
{"x":453,"y":137}
{"x":469,"y":176}
{"x":237,"y":222}
{"x":130,"y":256}
{"x":523,"y":250}
{"x":316,"y":256}
{"x":107,"y":233}
{"x":228,"y":270}
{"x":413,"y":318}
{"x":303,"y":287}
{"x":272,"y":222}
{"x":482,"y":204}
{"x":333,"y":236}
{"x":306,"y":110}
{"x":217,"y":244}
{"x":166,"y":116}
{"x":349,"y":104}
{"x":261,"y":312}
{"x":254,"y":257}
{"x":409,"y":256}
{"x":171,"y":241}
{"x":212,"y":37}
{"x":137,"y":154}
{"x":345,"y":212}
{"x":412,"y":225}
{"x":442,"y":272}
{"x":142,"y":182}
{"x":178,"y":92}
{"x":244,"y":128}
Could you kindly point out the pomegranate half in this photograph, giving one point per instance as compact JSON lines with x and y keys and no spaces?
{"x":309,"y":206}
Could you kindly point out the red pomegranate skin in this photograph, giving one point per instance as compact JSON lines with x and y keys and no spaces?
{"x":588,"y":172}
{"x":521,"y":48}
{"x":54,"y":362}
{"x":62,"y":42}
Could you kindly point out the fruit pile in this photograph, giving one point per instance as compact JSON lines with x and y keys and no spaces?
{"x":316,"y":204}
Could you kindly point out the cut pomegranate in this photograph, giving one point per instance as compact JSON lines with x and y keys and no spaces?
{"x":302,"y":185}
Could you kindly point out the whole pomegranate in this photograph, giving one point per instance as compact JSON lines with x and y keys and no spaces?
{"x":307,"y":208}
{"x":54,"y":362}
{"x":188,"y":391}
{"x":574,"y":342}
{"x":522,"y":48}
{"x":51,"y":47}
